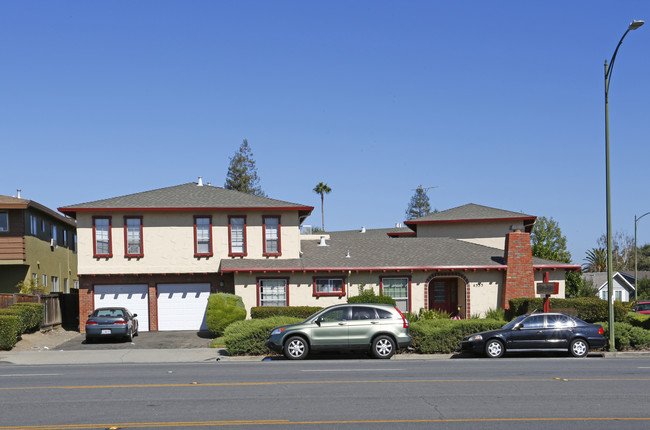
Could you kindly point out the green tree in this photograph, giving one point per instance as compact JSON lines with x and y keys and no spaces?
{"x":643,"y":258}
{"x":419,"y":205}
{"x":644,"y":289}
{"x":547,"y":241}
{"x":596,"y":260}
{"x":322,"y":189}
{"x":242,"y":173}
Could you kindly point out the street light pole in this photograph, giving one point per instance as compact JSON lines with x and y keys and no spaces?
{"x":636,"y":296}
{"x":610,"y":284}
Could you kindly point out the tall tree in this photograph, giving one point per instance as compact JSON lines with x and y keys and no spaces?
{"x":622,"y":251}
{"x":596,"y":260}
{"x":242,"y":173}
{"x":547,"y":241}
{"x":419,"y":205}
{"x":322,"y":189}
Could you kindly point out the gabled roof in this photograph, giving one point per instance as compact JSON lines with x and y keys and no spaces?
{"x":599,"y":279}
{"x":187,"y":197}
{"x":7,"y":202}
{"x":374,"y":250}
{"x":472,"y":213}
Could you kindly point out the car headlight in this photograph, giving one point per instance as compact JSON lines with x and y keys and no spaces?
{"x":475,"y":337}
{"x":277,"y":331}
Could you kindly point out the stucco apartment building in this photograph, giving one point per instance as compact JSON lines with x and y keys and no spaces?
{"x":162,"y":252}
{"x":36,"y":243}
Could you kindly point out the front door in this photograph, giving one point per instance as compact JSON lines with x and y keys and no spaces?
{"x":443,"y":295}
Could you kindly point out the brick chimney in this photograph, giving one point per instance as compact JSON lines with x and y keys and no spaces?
{"x":519,"y":278}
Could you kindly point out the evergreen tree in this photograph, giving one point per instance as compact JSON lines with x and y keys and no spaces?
{"x":242,"y":173}
{"x":419,"y":205}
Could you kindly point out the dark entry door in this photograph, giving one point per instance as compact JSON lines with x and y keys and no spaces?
{"x":443,"y":295}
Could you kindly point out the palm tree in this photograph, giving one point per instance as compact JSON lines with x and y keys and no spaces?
{"x":596,"y":260}
{"x":322,"y":189}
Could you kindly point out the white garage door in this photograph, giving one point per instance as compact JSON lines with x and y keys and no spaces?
{"x":133,"y":297}
{"x":182,"y":306}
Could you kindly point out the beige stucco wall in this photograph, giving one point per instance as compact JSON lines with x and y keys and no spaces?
{"x":490,"y":234}
{"x":168,"y":242}
{"x":553,"y":276}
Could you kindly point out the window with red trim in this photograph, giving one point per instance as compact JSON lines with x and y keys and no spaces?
{"x":237,"y":236}
{"x":102,"y":244}
{"x":133,"y":247}
{"x":271,"y":232}
{"x":202,"y":236}
{"x":329,"y":287}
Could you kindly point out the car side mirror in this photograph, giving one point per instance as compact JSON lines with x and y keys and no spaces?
{"x":135,"y":315}
{"x":318,"y":321}
{"x":519,"y":326}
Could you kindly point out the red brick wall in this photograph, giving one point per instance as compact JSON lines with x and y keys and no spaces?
{"x":519,"y":279}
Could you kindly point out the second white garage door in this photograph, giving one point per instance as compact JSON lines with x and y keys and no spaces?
{"x":182,"y":306}
{"x":133,"y":297}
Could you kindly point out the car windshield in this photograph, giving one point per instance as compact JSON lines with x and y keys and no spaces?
{"x":512,"y":323}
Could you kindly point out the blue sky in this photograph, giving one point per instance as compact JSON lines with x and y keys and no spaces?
{"x":497,"y":103}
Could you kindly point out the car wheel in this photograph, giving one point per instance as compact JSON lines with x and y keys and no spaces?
{"x":383,"y":347}
{"x":89,"y":339}
{"x":494,"y":348}
{"x":296,"y":348}
{"x":579,"y":348}
{"x":129,"y":336}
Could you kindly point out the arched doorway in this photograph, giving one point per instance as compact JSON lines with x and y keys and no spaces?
{"x":446,"y":292}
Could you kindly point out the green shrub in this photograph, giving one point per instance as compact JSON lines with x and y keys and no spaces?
{"x":248,"y":337}
{"x":283,"y":311}
{"x":9,"y":331}
{"x":34,"y":314}
{"x":369,"y":296}
{"x":223,"y":309}
{"x":627,"y":336}
{"x":589,"y":309}
{"x":443,"y":336}
{"x":639,"y":320}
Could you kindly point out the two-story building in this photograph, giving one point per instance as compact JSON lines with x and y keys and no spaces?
{"x":162,"y":252}
{"x":37,"y":245}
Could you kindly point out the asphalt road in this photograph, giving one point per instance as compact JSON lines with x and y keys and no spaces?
{"x":509,"y":393}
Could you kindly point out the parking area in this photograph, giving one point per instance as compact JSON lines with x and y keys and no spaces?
{"x":144,"y":340}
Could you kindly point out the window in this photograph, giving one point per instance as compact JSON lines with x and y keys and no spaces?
{"x":329,"y":287}
{"x":133,"y":237}
{"x":65,"y":237}
{"x":55,"y":284}
{"x":44,"y":280}
{"x":272,"y":292}
{"x":237,"y":235}
{"x":535,"y":321}
{"x":43,"y":225}
{"x":399,"y":289}
{"x":618,"y":296}
{"x":102,"y":237}
{"x":202,"y":236}
{"x":335,"y":315}
{"x":559,"y":321}
{"x":33,"y":225}
{"x":54,"y":234}
{"x":4,"y":221}
{"x":66,"y":286}
{"x":271,"y":231}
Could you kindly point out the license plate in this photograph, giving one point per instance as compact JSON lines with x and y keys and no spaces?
{"x":108,"y":331}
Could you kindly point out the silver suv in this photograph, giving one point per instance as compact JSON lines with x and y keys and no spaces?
{"x":377,"y":328}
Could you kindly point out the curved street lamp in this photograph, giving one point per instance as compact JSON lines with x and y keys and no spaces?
{"x":610,"y":287}
{"x":636,"y":297}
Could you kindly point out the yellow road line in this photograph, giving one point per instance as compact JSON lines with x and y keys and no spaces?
{"x":392,"y":381}
{"x":286,"y":422}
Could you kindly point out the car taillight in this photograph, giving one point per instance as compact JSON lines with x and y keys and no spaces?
{"x":120,"y":322}
{"x":601,"y":331}
{"x":91,"y":323}
{"x":406,"y":322}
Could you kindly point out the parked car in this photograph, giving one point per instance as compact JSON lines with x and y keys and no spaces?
{"x":541,"y":331}
{"x":642,"y":307}
{"x":111,"y":323}
{"x":377,"y":328}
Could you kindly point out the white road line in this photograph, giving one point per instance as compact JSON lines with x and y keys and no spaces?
{"x":350,"y":370}
{"x":32,"y":374}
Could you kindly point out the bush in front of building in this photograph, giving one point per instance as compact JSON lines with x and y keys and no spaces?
{"x":223,"y":310}
{"x":9,"y":331}
{"x":303,"y":312}
{"x":639,"y":320}
{"x":29,"y":317}
{"x":248,"y":337}
{"x":368,"y":296}
{"x":627,"y":336}
{"x":443,"y":336}
{"x":589,"y":309}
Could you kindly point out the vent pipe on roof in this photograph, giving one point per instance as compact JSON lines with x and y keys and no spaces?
{"x":18,"y":193}
{"x":322,"y":241}
{"x":348,"y":254}
{"x":200,"y":181}
{"x":363,"y":229}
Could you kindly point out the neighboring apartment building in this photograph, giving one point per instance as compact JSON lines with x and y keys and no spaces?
{"x":162,"y":252}
{"x":36,"y":243}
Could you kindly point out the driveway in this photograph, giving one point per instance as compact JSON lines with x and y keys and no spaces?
{"x":144,"y":340}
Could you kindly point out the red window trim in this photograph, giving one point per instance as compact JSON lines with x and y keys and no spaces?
{"x":236,"y":254}
{"x":335,"y":294}
{"x":126,"y":244}
{"x":203,"y":254}
{"x":381,"y":286}
{"x":110,"y":238}
{"x":257,"y":288}
{"x":272,"y":254}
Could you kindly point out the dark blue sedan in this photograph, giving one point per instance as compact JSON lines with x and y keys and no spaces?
{"x":541,"y":331}
{"x":111,"y":323}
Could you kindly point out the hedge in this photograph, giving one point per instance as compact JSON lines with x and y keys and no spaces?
{"x":9,"y":331}
{"x":440,"y":336}
{"x":34,"y":315}
{"x":284,"y":311}
{"x":627,"y":336}
{"x":639,"y":320}
{"x":369,"y":296}
{"x":248,"y":337}
{"x":589,"y":309}
{"x":223,"y":309}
